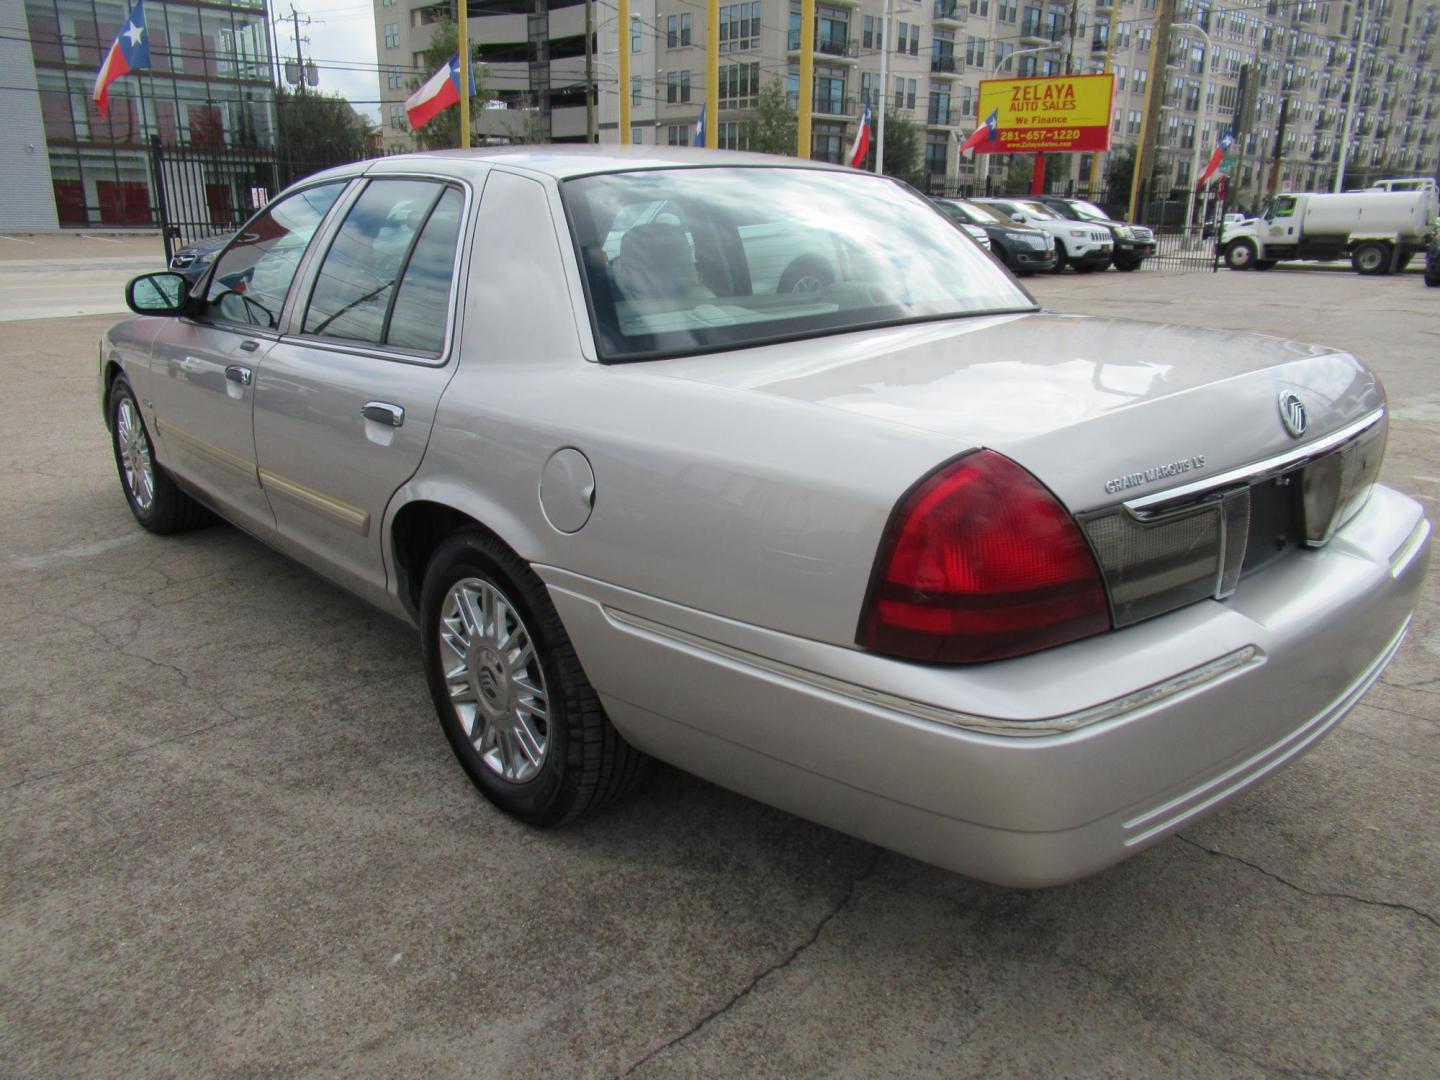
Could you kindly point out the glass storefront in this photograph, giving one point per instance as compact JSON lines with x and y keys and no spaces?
{"x":209,"y":85}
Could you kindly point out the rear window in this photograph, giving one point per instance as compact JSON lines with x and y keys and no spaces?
{"x":692,"y":260}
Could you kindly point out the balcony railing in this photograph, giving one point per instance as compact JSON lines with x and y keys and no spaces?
{"x":945,"y":65}
{"x":947,"y":118}
{"x":951,"y":11}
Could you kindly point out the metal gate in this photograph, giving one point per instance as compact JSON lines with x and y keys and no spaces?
{"x":205,"y":191}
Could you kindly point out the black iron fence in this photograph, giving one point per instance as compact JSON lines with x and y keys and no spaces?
{"x":202,"y":191}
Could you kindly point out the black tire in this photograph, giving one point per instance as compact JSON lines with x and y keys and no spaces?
{"x":1432,"y":276}
{"x":585,"y":763}
{"x":168,"y":509}
{"x":1241,"y":255}
{"x":1060,"y":258}
{"x":1371,"y":258}
{"x":1088,"y":268}
{"x":1264,"y":264}
{"x":806,"y":274}
{"x":1127,"y":265}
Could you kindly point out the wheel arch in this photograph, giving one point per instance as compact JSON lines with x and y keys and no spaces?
{"x":421,"y":520}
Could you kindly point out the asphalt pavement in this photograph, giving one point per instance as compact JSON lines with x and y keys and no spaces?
{"x":235,"y":842}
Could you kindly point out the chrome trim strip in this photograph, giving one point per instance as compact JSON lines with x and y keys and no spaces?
{"x":1108,"y":710}
{"x":1247,"y":473}
{"x":236,"y":463}
{"x":352,"y":517}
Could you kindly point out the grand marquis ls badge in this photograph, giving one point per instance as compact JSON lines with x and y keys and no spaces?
{"x":1292,"y":413}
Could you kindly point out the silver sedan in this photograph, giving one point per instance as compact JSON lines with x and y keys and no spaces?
{"x":750,"y":465}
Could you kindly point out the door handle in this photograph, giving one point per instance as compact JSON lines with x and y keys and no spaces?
{"x":382,"y":412}
{"x":249,"y":346}
{"x":236,"y":373}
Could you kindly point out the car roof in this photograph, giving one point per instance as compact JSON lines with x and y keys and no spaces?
{"x":566,"y":162}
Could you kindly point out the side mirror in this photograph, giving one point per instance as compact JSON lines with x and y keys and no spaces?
{"x":1018,"y":216}
{"x":163,"y":293}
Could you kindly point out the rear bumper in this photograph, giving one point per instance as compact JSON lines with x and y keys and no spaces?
{"x":1029,"y":772}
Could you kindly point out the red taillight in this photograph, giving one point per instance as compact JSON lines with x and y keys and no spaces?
{"x":981,"y":562}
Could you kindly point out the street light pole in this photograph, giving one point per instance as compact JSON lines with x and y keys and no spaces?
{"x":1350,"y":103}
{"x":884,"y":81}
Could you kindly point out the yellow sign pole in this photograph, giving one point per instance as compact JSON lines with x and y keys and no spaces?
{"x":623,"y":15}
{"x":462,"y":48}
{"x":807,"y":78}
{"x":712,"y":74}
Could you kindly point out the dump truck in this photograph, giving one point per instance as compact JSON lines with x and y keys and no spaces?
{"x":1378,"y":231}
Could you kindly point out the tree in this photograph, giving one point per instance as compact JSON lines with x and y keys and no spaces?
{"x":902,"y":149}
{"x":1120,"y":173}
{"x":443,"y":130}
{"x":319,"y":129}
{"x":772,"y":130}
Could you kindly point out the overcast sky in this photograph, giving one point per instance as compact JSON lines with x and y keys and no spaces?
{"x":342,"y":43}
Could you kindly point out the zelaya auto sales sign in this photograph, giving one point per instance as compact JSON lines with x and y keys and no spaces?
{"x":1051,"y":113}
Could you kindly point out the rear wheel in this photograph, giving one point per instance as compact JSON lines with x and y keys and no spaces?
{"x":1371,"y":258}
{"x":512,"y":698}
{"x":151,"y":494}
{"x":1060,"y":257}
{"x":1241,"y":255}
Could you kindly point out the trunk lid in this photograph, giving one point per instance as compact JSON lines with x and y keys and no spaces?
{"x":1099,"y":409}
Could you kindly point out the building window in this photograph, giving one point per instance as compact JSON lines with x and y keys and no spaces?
{"x":677,"y":135}
{"x":827,"y":143}
{"x":392,"y":35}
{"x":732,"y":136}
{"x":672,"y":31}
{"x":637,"y":136}
{"x":634,"y":33}
{"x":740,"y":26}
{"x":397,"y":117}
{"x":677,"y":87}
{"x":739,"y":85}
{"x":902,"y":37}
{"x":935,"y":158}
{"x":635,"y":84}
{"x":910,"y":93}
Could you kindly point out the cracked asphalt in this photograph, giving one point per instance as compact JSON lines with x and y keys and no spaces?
{"x":235,"y":842}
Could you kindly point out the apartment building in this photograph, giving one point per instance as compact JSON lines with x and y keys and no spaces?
{"x":1286,"y":65}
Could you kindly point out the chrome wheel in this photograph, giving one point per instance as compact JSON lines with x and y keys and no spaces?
{"x":808,"y":284}
{"x":494,"y":680}
{"x":135,"y":455}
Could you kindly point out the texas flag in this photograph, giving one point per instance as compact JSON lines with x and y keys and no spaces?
{"x":986,"y":132}
{"x":440,"y":91}
{"x":1215,"y":159}
{"x":700,"y":129}
{"x":861,"y":146}
{"x":128,"y":52}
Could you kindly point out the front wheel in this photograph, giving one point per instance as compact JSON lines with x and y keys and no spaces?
{"x":512,"y":698}
{"x":1060,"y":258}
{"x":158,"y":505}
{"x":1127,"y":265}
{"x":1241,"y":255}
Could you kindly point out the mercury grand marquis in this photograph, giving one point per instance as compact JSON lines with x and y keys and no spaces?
{"x":762,"y":468}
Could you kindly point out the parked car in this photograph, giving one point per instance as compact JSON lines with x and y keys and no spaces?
{"x":192,"y":260}
{"x":1024,"y":250}
{"x":1133,"y":243}
{"x":1013,"y":592}
{"x":1085,"y":247}
{"x":1432,"y":262}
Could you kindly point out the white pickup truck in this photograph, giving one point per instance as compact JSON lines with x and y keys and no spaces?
{"x":1378,"y":231}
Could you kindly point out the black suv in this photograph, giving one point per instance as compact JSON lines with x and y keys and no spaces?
{"x":1133,"y":243}
{"x":1023,"y":249}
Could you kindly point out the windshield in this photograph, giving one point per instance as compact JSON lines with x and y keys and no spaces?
{"x":958,"y":211}
{"x":699,"y":259}
{"x":1089,"y":211}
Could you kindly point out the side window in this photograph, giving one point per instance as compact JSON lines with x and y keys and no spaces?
{"x":355,"y":288}
{"x":1284,"y":206}
{"x":252,"y":277}
{"x":417,"y":322}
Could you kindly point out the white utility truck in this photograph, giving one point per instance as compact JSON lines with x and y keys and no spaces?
{"x":1379,"y":231}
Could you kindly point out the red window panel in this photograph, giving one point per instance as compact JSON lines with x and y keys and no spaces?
{"x":192,"y":54}
{"x":222,"y":208}
{"x":123,"y":202}
{"x":206,"y":128}
{"x":165,"y":120}
{"x":45,"y":38}
{"x":55,"y":111}
{"x":87,"y":39}
{"x":70,"y":202}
